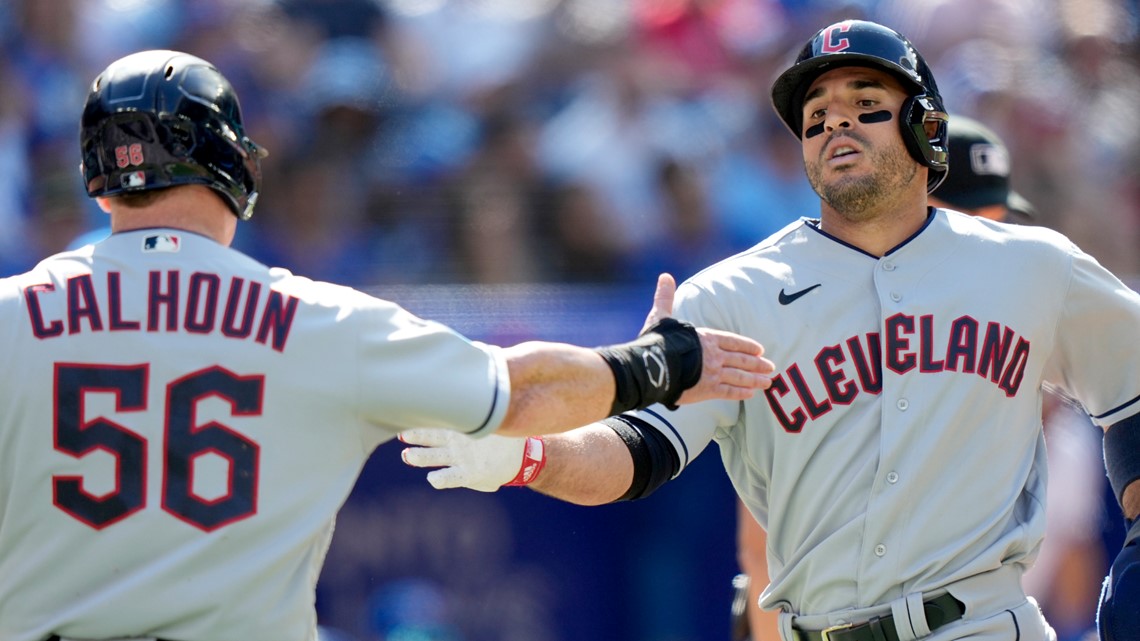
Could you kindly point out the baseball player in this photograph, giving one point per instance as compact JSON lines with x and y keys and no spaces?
{"x":897,"y":460}
{"x":179,"y":424}
{"x":977,"y":182}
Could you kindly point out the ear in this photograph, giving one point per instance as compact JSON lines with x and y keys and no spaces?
{"x":104,"y":204}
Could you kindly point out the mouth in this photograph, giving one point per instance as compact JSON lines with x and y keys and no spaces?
{"x":841,"y":151}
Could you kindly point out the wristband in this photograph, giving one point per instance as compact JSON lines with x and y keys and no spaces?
{"x":1122,"y":455}
{"x":656,"y":368}
{"x":534,"y":459}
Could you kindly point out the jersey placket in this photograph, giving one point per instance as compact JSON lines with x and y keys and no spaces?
{"x":884,"y":531}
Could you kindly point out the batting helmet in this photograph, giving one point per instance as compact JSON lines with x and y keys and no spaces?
{"x":156,"y":119}
{"x":867,"y":44}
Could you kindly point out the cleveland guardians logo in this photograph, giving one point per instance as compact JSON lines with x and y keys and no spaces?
{"x":839,"y":373}
{"x":833,"y":41}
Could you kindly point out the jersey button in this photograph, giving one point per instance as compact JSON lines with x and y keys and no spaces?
{"x":902,"y":404}
{"x":880,"y":549}
{"x":895,"y":296}
{"x":889,"y":266}
{"x":892,"y":477}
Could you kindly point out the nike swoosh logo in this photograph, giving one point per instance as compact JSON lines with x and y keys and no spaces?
{"x":787,"y":299}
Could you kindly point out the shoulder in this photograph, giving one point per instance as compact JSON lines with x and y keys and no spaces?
{"x":51,"y":270}
{"x":1014,"y":248}
{"x":772,"y":258}
{"x":325,"y":294}
{"x":1006,"y":233}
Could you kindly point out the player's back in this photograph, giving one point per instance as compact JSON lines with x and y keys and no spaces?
{"x":177,"y":430}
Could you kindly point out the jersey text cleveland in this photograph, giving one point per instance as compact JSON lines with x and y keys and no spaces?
{"x":994,"y":352}
{"x":199,"y":311}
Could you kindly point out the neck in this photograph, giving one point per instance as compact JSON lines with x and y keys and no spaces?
{"x":194,"y":209}
{"x":879,"y":231}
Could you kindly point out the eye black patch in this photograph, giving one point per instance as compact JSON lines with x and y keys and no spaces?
{"x":877,"y":116}
{"x":813,"y":130}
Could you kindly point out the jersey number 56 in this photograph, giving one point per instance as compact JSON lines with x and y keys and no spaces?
{"x":183,"y":442}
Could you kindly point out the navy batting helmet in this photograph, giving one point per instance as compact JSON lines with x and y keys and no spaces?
{"x":867,"y":44}
{"x":156,"y":119}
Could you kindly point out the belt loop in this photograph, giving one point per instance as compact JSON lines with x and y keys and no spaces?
{"x":877,"y":633}
{"x":901,"y":619}
{"x":918,"y":623}
{"x":784,"y":623}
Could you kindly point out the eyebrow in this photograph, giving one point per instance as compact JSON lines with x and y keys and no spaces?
{"x":858,"y":83}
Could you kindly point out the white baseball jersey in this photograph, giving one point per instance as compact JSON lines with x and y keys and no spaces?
{"x":899,"y":449}
{"x":179,"y":425}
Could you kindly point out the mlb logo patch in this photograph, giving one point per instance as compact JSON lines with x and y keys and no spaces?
{"x":161,"y":243}
{"x":989,"y":160}
{"x":133,"y":179}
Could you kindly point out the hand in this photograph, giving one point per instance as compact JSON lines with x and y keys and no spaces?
{"x":484,"y":464}
{"x":1118,"y":616}
{"x":662,"y":301}
{"x":733,"y":366}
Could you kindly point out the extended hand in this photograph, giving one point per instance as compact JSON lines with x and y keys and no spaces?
{"x":484,"y":464}
{"x":733,"y":366}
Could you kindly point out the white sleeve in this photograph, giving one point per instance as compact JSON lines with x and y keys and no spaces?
{"x":419,"y":373}
{"x":1098,"y":342}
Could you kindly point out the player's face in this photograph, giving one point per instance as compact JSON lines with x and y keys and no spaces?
{"x":853,"y":149}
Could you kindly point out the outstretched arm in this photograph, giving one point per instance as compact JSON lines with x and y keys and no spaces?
{"x":556,"y":386}
{"x":590,"y":465}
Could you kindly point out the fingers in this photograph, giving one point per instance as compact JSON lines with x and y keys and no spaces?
{"x":747,"y":382}
{"x":726,"y":350}
{"x":727,"y":384}
{"x":445,"y":479}
{"x":748,"y":363}
{"x":662,"y":300}
{"x":427,"y":457}
{"x":427,"y":436}
{"x":663,"y":297}
{"x":733,"y":368}
{"x":730,"y":342}
{"x":450,"y":478}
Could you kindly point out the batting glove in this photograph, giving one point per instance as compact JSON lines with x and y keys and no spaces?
{"x":484,"y":464}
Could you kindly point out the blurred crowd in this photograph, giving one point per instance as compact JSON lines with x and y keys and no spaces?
{"x":531,"y":141}
{"x":559,"y":141}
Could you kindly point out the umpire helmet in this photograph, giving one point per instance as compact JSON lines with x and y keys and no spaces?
{"x":157,"y":119}
{"x":867,"y":44}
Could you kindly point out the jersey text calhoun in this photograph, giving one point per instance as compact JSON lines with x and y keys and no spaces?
{"x":174,"y":301}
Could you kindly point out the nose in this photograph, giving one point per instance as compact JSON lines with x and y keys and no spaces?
{"x":836,"y":118}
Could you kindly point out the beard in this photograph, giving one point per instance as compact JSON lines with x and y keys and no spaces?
{"x":857,"y":197}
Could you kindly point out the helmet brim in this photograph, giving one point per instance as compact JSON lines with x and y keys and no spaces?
{"x":789,"y":88}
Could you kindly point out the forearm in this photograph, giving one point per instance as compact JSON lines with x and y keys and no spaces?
{"x":555,"y":387}
{"x":1122,"y":462}
{"x":587,"y":466}
{"x":1131,"y":502}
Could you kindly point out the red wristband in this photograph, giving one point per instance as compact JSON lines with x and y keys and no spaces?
{"x":534,"y":459}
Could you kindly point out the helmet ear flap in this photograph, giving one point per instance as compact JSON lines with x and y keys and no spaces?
{"x":924,"y":131}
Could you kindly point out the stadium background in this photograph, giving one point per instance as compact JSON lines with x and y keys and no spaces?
{"x":522,"y":169}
